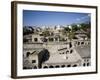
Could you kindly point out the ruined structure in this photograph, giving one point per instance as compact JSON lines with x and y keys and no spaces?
{"x":55,"y":50}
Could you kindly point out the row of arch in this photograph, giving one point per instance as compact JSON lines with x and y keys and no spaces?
{"x":57,"y":66}
{"x":48,"y":40}
{"x":86,"y":64}
{"x":60,"y":66}
{"x":68,"y":51}
{"x":82,"y":43}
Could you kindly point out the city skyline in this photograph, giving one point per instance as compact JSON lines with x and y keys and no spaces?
{"x":47,"y":18}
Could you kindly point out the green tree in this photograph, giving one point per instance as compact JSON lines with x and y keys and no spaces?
{"x":85,"y":26}
{"x":66,"y":30}
{"x":27,"y":30}
{"x":43,"y":56}
{"x":74,"y":27}
{"x":71,"y":35}
{"x":46,"y":33}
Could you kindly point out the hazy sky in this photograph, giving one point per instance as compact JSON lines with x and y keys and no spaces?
{"x":40,"y":18}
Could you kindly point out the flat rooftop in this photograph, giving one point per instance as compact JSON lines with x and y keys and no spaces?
{"x":80,"y":52}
